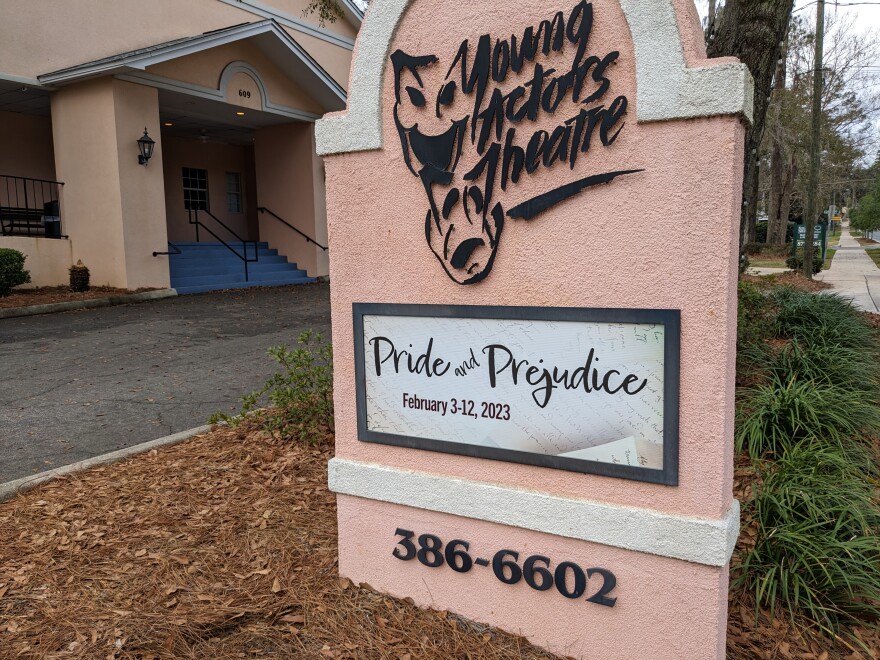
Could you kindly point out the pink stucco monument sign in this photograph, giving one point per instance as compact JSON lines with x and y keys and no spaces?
{"x":533,"y":210}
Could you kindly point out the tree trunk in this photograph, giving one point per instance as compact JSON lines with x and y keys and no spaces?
{"x":774,"y":212}
{"x":785,"y":206}
{"x":753,"y":31}
{"x":775,"y":219}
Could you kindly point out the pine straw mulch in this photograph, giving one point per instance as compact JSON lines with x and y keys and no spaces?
{"x":46,"y":295}
{"x":871,"y":319}
{"x":789,"y":279}
{"x":225,"y":547}
{"x":221,"y":547}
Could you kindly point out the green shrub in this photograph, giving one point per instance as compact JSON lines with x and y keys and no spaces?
{"x":299,"y":398}
{"x":796,"y":262}
{"x":773,"y":417}
{"x":12,"y":272}
{"x":817,"y":550}
{"x":761,"y":232}
{"x":756,"y":315}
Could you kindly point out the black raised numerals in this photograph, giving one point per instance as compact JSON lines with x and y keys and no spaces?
{"x":409,"y":550}
{"x":506,"y":570}
{"x":458,"y":560}
{"x":536,"y":576}
{"x":429,"y":550}
{"x":570,"y":580}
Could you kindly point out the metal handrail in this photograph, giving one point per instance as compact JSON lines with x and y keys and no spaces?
{"x":194,"y":213}
{"x":29,"y":178}
{"x":263,"y":209}
{"x":176,"y":249}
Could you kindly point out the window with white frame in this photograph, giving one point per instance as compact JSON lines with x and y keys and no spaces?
{"x":233,"y":192}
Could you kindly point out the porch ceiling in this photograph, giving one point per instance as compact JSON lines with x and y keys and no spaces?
{"x":211,"y":121}
{"x":19,"y":97}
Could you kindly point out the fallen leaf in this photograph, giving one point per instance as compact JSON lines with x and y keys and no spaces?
{"x":276,"y":586}
{"x":293,"y":618}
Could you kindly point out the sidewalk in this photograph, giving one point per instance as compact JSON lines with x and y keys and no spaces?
{"x":853,"y":274}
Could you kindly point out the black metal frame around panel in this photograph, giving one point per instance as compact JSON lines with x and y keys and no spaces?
{"x":669,"y":318}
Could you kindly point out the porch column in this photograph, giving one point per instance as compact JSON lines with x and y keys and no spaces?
{"x":290,"y":182}
{"x":114,"y":208}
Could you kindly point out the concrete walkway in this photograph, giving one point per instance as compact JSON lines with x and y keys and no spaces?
{"x":853,"y":274}
{"x":78,"y":384}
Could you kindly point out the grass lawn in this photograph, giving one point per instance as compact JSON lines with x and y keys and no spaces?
{"x":760,"y":261}
{"x":875,"y":255}
{"x":834,"y":237}
{"x":829,"y":255}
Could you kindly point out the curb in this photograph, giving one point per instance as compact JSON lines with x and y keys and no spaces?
{"x":12,"y":488}
{"x":84,"y":304}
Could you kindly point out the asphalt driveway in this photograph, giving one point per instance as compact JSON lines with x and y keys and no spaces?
{"x":78,"y":384}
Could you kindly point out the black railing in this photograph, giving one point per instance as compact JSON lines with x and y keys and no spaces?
{"x":30,"y":207}
{"x":263,"y":209}
{"x":194,"y":220}
{"x":174,"y":248}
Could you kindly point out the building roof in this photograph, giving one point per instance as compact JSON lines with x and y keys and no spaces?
{"x":268,"y":35}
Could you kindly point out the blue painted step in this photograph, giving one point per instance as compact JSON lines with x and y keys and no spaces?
{"x":203,"y":267}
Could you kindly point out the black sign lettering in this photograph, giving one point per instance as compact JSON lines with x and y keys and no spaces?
{"x":464,"y":222}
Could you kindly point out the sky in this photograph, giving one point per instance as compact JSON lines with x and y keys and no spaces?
{"x":867,"y":11}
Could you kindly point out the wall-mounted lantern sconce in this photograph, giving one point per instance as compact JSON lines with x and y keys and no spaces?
{"x":145,"y":145}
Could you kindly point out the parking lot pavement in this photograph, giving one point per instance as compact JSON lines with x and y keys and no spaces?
{"x":78,"y":384}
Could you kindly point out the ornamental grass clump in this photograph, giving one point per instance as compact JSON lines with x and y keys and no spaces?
{"x":817,"y":551}
{"x":774,"y":416}
{"x":808,"y":412}
{"x":828,"y":317}
{"x":298,"y":399}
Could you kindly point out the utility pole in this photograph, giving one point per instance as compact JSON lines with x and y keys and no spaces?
{"x":813,"y":185}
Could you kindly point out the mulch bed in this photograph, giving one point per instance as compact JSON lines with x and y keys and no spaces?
{"x":222,"y":547}
{"x":871,"y":319}
{"x":790,"y":279}
{"x":47,"y":295}
{"x":225,"y":547}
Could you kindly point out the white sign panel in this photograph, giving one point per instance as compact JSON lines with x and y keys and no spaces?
{"x":578,"y":389}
